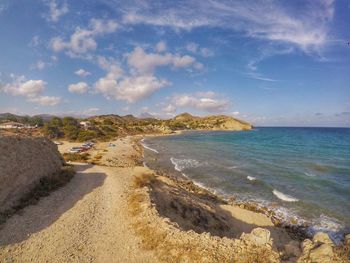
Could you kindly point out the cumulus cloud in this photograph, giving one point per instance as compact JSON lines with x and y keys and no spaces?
{"x":139,"y":81}
{"x":131,"y":88}
{"x":79,"y":88}
{"x":207,"y":101}
{"x":83,"y":40}
{"x":31,"y":89}
{"x":307,"y":28}
{"x":82,"y":73}
{"x":56,"y":10}
{"x":146,"y":63}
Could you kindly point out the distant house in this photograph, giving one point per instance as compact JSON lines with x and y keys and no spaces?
{"x":85,"y":124}
{"x":11,"y":125}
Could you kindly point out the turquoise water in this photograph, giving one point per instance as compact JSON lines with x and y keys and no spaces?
{"x":301,"y":173}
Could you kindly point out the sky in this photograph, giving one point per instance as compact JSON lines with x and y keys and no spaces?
{"x":272,"y":63}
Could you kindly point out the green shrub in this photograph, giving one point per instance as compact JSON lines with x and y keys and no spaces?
{"x":76,"y":157}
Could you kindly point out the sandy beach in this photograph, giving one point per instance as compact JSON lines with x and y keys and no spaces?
{"x":116,"y":210}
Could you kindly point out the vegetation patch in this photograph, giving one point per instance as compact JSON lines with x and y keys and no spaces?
{"x":76,"y":157}
{"x":45,"y":186}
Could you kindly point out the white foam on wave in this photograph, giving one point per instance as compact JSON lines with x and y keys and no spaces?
{"x":330,"y":225}
{"x":232,"y":167}
{"x":284,"y":197}
{"x":309,"y":174}
{"x":149,"y":148}
{"x":251,"y":178}
{"x":181,"y":164}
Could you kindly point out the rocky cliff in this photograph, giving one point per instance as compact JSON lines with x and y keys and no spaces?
{"x":23,"y":162}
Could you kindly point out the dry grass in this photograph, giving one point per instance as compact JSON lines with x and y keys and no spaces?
{"x":170,"y":244}
{"x":143,"y":180}
{"x":343,"y":253}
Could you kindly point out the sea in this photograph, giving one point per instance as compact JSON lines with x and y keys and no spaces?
{"x":303,"y":174}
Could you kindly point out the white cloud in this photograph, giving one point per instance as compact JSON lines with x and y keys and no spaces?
{"x":79,"y":88}
{"x":160,"y":47}
{"x":56,"y":11}
{"x":46,"y":100}
{"x":139,"y":81}
{"x":207,"y":101}
{"x":146,"y":63}
{"x":31,"y":89}
{"x":169,"y":109}
{"x":206,"y":52}
{"x":34,"y":42}
{"x":83,"y":40}
{"x":192,"y":47}
{"x":22,"y":87}
{"x":306,"y":28}
{"x":130,"y":89}
{"x":196,"y":49}
{"x":40,"y":65}
{"x":82,"y":73}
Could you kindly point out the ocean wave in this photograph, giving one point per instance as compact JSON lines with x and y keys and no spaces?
{"x":330,"y":225}
{"x":181,"y":164}
{"x":309,"y":174}
{"x":232,"y":167}
{"x":284,"y":197}
{"x":149,"y":148}
{"x":251,"y":178}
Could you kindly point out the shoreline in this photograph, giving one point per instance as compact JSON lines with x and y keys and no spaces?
{"x":297,"y":228}
{"x":116,"y":210}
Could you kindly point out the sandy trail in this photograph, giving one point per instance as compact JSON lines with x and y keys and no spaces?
{"x":85,"y":221}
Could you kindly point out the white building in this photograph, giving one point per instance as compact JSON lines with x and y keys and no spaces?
{"x":85,"y":124}
{"x":11,"y":125}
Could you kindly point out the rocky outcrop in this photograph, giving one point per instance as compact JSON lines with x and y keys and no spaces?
{"x":23,"y":162}
{"x":318,"y":250}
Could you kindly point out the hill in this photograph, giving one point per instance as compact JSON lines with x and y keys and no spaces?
{"x":106,"y":127}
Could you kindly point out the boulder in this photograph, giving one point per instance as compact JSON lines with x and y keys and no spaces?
{"x":307,"y":245}
{"x":322,"y":254}
{"x":323,"y":238}
{"x":347,"y":240}
{"x":258,"y":236}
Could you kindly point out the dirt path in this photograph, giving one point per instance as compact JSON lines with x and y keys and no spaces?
{"x":85,"y":221}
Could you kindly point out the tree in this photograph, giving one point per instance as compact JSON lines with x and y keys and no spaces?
{"x":57,"y":122}
{"x":52,"y":131}
{"x":71,"y":132}
{"x":69,"y":121}
{"x":37,"y":121}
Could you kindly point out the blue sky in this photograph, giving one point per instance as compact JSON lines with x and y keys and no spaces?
{"x":268,"y":62}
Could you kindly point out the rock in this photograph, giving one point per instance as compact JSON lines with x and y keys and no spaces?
{"x":322,"y":254}
{"x":347,"y":239}
{"x":258,"y":236}
{"x":307,"y":245}
{"x":321,"y":237}
{"x":292,"y":249}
